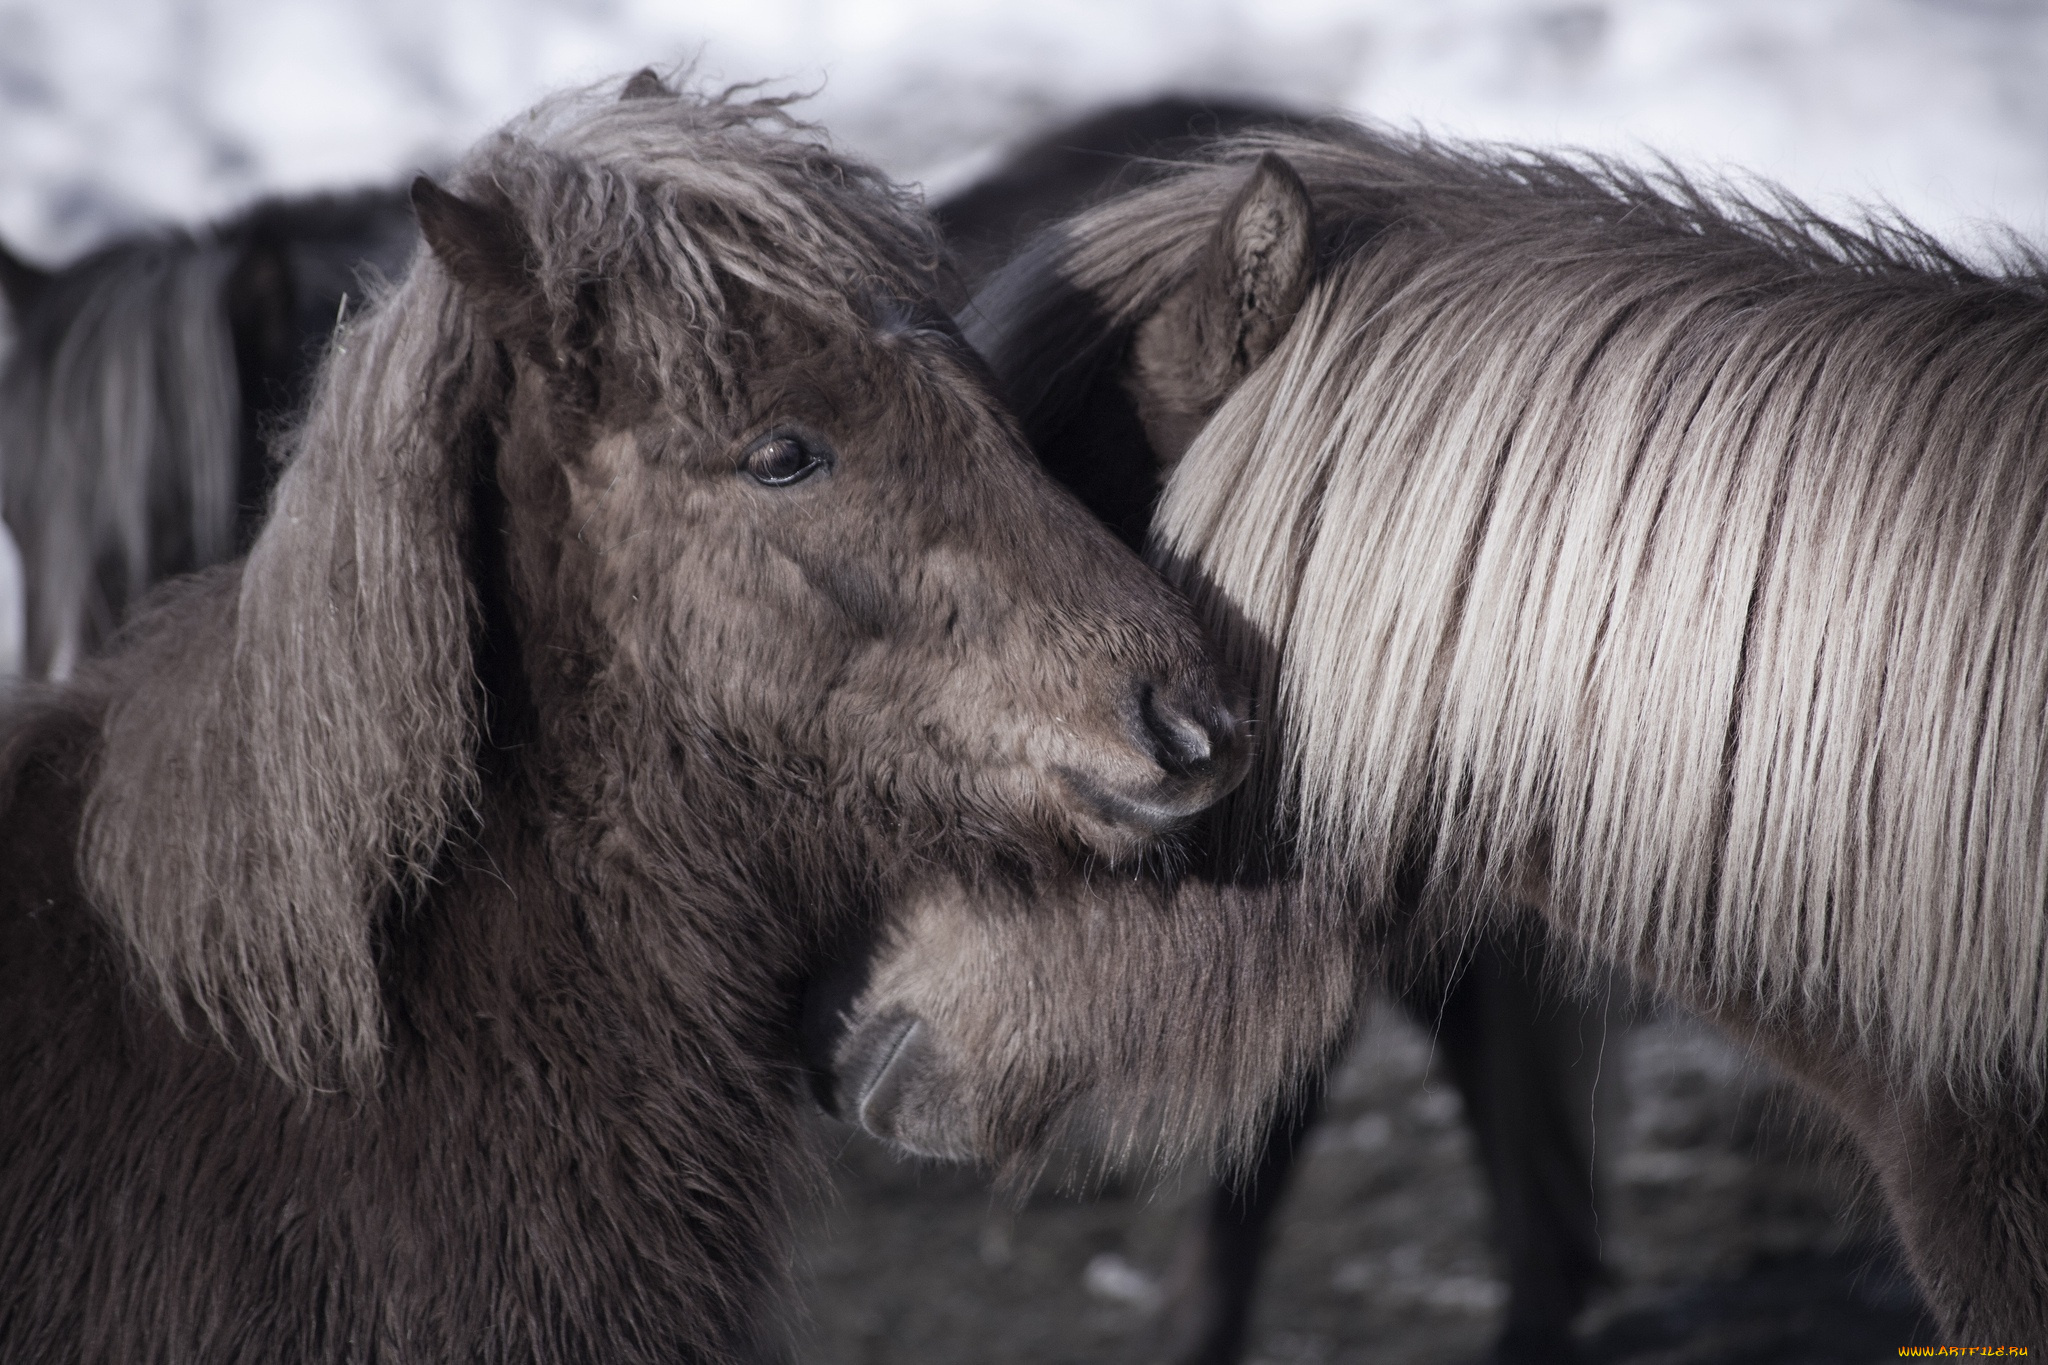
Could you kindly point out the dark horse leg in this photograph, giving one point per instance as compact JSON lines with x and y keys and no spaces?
{"x":1209,"y":1295}
{"x":1965,"y":1178}
{"x":1968,"y":1186}
{"x":1525,"y":1060}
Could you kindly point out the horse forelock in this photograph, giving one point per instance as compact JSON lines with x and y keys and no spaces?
{"x":682,"y":203}
{"x":1680,"y":546}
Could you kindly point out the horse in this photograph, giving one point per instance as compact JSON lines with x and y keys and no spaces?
{"x":405,"y":929}
{"x":144,"y":383}
{"x":12,"y":592}
{"x":1658,"y":562}
{"x":1523,"y":1054}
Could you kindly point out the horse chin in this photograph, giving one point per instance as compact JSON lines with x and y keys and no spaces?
{"x":1123,"y":824}
{"x":1119,"y":845}
{"x":888,"y":1077}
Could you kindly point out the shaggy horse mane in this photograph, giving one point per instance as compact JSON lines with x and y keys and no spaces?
{"x":1677,"y":552}
{"x":287,"y":745}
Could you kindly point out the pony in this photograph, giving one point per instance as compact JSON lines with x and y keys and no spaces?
{"x":1523,"y":1054}
{"x":143,"y":386}
{"x":1661,"y":563}
{"x":405,"y":929}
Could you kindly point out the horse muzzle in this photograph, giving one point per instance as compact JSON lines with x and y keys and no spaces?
{"x":1183,"y":748}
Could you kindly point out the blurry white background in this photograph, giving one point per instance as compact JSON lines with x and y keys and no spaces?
{"x":117,"y":113}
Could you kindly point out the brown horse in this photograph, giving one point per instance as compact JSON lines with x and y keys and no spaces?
{"x":1665,"y":565}
{"x":403,"y":930}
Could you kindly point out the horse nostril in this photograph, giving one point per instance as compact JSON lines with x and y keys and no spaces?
{"x":1198,"y":743}
{"x":1184,"y":741}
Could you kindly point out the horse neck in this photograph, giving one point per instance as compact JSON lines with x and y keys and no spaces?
{"x":620,"y":867}
{"x":569,"y":880}
{"x":604,"y":1051}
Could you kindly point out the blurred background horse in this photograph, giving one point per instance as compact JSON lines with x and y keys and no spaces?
{"x":144,"y":386}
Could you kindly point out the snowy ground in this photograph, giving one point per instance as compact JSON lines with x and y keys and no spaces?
{"x":120,"y":112}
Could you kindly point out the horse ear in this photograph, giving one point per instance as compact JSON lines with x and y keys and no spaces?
{"x":487,"y":253}
{"x":21,"y":282}
{"x":646,"y":85}
{"x":1247,"y":283}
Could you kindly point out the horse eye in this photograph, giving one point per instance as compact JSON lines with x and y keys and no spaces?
{"x":782,"y":458}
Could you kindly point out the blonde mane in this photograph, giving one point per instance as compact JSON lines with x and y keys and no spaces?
{"x":1681,"y":554}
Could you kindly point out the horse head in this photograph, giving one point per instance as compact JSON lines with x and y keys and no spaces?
{"x":657,"y":466}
